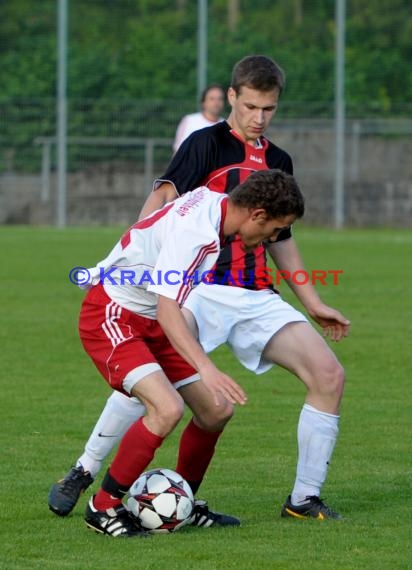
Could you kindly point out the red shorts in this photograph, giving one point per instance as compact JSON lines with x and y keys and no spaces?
{"x":120,"y":341}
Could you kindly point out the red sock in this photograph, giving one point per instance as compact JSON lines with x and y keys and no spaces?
{"x":136,"y":451}
{"x":196,"y":450}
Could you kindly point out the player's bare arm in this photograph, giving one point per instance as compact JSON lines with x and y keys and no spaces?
{"x":165,"y":193}
{"x":286,"y":256}
{"x":174,"y":325}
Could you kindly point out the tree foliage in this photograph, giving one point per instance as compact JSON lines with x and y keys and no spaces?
{"x":147,"y":48}
{"x":134,"y":61}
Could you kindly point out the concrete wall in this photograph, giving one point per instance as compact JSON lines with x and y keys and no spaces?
{"x":378,"y":188}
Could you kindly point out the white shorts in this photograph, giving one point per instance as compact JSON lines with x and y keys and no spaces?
{"x":244,"y":319}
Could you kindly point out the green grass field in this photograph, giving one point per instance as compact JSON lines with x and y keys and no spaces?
{"x":51,"y":395}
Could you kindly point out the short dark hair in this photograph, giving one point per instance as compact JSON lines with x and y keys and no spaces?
{"x":257,"y":72}
{"x":209,"y":88}
{"x":273,"y":190}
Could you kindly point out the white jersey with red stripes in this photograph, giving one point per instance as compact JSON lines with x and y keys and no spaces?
{"x":165,"y":253}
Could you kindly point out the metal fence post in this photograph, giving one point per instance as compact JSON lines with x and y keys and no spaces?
{"x":356,"y":130}
{"x":61,"y":133}
{"x":148,"y":165}
{"x":45,"y":172}
{"x":340,"y":115}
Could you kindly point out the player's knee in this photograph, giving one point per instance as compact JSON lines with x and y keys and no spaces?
{"x":175,"y":413}
{"x":332,"y":379}
{"x":222,"y":415}
{"x":168,"y":416}
{"x":216,"y":418}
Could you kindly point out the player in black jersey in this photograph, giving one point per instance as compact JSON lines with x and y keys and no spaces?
{"x":228,"y":160}
{"x":245,"y":312}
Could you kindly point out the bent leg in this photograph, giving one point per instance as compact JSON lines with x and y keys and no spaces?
{"x":119,"y":413}
{"x":199,"y":439}
{"x":138,"y":446}
{"x":300,"y":349}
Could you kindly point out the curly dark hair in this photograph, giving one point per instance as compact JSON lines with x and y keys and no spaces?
{"x":257,"y":72}
{"x":273,"y":190}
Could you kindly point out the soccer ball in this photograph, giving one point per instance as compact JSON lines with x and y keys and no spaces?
{"x":161,"y":500}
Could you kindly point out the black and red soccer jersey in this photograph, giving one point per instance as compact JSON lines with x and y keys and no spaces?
{"x":218,"y":158}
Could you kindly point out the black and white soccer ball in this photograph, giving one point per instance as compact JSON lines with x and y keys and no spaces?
{"x":161,"y":500}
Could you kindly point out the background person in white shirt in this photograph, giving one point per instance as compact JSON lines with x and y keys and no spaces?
{"x":213,"y":102}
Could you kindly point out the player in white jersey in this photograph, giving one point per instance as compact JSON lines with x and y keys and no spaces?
{"x":150,"y":258}
{"x":138,"y":339}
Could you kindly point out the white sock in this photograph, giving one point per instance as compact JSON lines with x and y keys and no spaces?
{"x":119,"y":413}
{"x":317,"y":433}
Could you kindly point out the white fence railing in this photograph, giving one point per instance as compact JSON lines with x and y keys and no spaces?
{"x":148,"y":145}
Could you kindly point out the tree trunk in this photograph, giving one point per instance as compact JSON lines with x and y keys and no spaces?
{"x":233,"y":12}
{"x":181,"y":4}
{"x":298,"y":12}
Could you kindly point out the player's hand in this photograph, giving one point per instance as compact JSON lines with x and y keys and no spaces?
{"x":220,"y":383}
{"x":334,"y":324}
